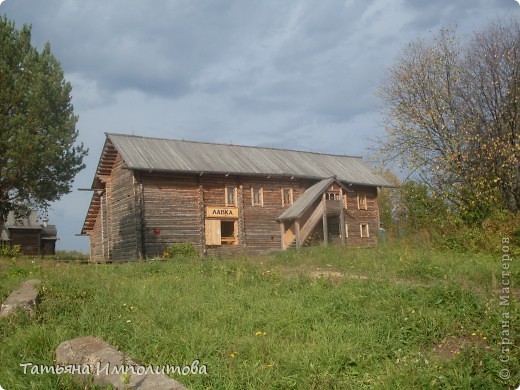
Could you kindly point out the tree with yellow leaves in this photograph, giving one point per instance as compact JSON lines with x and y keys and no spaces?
{"x":452,"y":114}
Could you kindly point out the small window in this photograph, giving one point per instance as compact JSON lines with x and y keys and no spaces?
{"x":362,"y":201}
{"x":346,"y":230}
{"x":287,"y":196}
{"x":363,"y":227}
{"x":231,"y":196}
{"x":345,"y":201}
{"x":220,"y":232}
{"x":257,"y":196}
{"x":228,"y":232}
{"x":332,"y":196}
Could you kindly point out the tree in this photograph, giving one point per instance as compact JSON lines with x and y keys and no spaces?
{"x":409,"y":207}
{"x":38,"y":155}
{"x":452,"y":113}
{"x":388,"y":202}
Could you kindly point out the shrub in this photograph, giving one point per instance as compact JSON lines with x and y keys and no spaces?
{"x":10,"y":251}
{"x":180,"y":249}
{"x":486,"y":237}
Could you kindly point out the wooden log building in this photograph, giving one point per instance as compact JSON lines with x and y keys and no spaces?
{"x":33,"y":237}
{"x":149,"y":193}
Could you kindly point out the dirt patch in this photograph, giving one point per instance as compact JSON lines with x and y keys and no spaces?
{"x":325,"y":274}
{"x":335,"y":275}
{"x":453,"y":346}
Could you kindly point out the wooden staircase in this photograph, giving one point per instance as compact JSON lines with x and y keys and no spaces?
{"x":290,"y":239}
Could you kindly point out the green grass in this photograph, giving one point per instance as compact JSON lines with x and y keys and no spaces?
{"x":390,"y":317}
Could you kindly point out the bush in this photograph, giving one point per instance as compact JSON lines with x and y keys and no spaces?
{"x":10,"y":251}
{"x":457,"y":235}
{"x":180,"y":249}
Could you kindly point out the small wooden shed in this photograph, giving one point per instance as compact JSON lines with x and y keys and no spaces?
{"x":148,"y":193}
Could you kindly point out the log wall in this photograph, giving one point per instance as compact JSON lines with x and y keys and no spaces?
{"x":124,"y":237}
{"x":116,"y":235}
{"x":144,"y":213}
{"x":28,"y":239}
{"x":354,"y":217}
{"x":96,"y":241}
{"x":170,"y":207}
{"x":174,"y":211}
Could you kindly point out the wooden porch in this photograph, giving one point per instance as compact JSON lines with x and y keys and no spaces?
{"x":325,"y":202}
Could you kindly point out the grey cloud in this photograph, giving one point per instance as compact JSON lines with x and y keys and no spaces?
{"x":433,"y":14}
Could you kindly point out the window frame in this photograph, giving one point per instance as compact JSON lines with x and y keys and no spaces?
{"x":290,"y":193}
{"x":214,"y":236}
{"x":225,"y":240}
{"x":361,"y":225}
{"x":260,"y":194}
{"x":362,"y":202}
{"x":226,"y":196}
{"x":332,"y":195}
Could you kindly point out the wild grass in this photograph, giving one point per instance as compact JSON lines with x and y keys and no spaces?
{"x":388,"y":317}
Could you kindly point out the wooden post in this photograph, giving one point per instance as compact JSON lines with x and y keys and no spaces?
{"x":297,"y":232}
{"x":139,"y":217}
{"x":342,"y":218}
{"x":101,"y":201}
{"x":325,"y":230}
{"x":202,"y":217}
{"x":241,"y":222}
{"x":108,"y":213}
{"x":142,"y":226}
{"x":282,"y":234}
{"x":325,"y":224}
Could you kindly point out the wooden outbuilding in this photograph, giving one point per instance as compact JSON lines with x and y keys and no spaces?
{"x":33,"y":237}
{"x":149,"y":193}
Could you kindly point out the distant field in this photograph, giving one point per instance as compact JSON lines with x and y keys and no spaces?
{"x":319,"y":318}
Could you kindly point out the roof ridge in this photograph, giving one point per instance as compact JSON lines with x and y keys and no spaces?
{"x":237,"y":146}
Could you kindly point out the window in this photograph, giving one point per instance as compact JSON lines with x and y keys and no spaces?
{"x":346,"y":230}
{"x":287,"y":196}
{"x":363,"y":227}
{"x":332,"y":196}
{"x":219,"y":232}
{"x":345,"y":201}
{"x":257,"y":196}
{"x":231,"y":196}
{"x":229,"y":232}
{"x":362,"y":201}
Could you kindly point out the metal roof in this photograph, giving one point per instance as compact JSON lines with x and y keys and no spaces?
{"x":154,"y":154}
{"x":306,"y":200}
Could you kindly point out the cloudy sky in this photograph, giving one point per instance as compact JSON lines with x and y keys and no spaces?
{"x":296,"y":74}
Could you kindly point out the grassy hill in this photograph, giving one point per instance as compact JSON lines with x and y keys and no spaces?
{"x":319,"y":318}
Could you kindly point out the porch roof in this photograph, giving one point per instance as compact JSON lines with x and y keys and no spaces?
{"x":298,"y":208}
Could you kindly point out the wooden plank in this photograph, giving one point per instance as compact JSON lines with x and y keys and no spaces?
{"x":221,"y":212}
{"x":213,"y":232}
{"x":325,"y":230}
